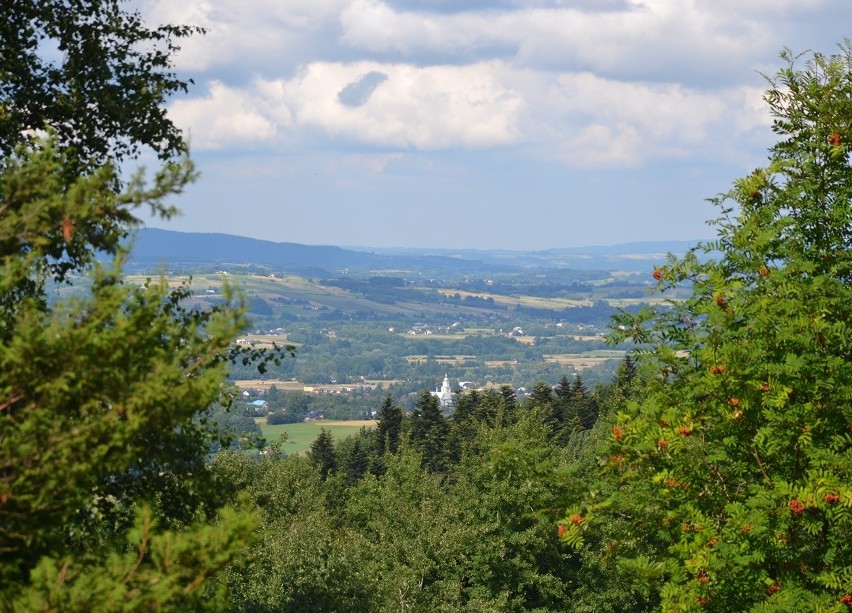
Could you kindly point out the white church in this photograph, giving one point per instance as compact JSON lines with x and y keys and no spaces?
{"x":445,"y":394}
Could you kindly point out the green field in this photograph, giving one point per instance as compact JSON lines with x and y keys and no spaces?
{"x":301,"y":435}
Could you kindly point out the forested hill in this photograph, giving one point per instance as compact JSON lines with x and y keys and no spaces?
{"x":155,"y":246}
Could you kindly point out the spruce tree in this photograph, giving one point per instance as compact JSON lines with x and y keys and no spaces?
{"x":322,"y":453}
{"x":389,"y":426}
{"x":429,"y":431}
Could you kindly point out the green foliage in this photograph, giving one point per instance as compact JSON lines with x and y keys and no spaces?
{"x":322,"y":453}
{"x":429,"y":431}
{"x":103,"y":92}
{"x":306,"y":559}
{"x":106,"y":502}
{"x":235,"y":425}
{"x":409,"y":539}
{"x":99,"y":397}
{"x":159,"y":569}
{"x":730,"y":477}
{"x":389,"y":427}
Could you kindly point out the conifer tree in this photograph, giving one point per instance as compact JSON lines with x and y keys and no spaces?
{"x":322,"y":453}
{"x":389,"y":426}
{"x":357,"y":460}
{"x":105,"y":500}
{"x":429,"y":431}
{"x":510,"y":404}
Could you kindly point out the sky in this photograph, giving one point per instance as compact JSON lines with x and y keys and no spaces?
{"x":511,"y":124}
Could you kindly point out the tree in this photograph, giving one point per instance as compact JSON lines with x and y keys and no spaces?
{"x":103,"y":93}
{"x":510,"y":403}
{"x":429,"y":431}
{"x":106,"y":502}
{"x":100,"y":393}
{"x":322,"y":453}
{"x":584,"y":404}
{"x":356,"y":460}
{"x":389,"y":426}
{"x":102,"y":101}
{"x":734,"y":470}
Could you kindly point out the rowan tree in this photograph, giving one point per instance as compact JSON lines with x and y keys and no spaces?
{"x":730,"y":480}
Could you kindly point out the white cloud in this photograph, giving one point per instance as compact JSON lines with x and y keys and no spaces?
{"x":224,"y":117}
{"x":652,"y":38}
{"x":256,"y":36}
{"x":437,"y":107}
{"x":579,"y":118}
{"x":587,"y":120}
{"x":620,"y":83}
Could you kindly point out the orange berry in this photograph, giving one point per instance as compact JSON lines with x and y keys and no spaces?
{"x":834,"y":139}
{"x":658,"y":274}
{"x":720,"y":300}
{"x":685,"y":431}
{"x":718,"y":369}
{"x":763,"y":271}
{"x":561,"y":530}
{"x":796,"y":507}
{"x":68,"y":229}
{"x":831,"y":498}
{"x":734,"y":402}
{"x":663,"y":444}
{"x":846,"y":599}
{"x":617,"y":433}
{"x":576,"y":519}
{"x":773,"y":589}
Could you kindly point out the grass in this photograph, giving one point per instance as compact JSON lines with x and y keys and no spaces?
{"x":301,"y":435}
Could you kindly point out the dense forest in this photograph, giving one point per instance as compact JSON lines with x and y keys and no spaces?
{"x":712,"y":473}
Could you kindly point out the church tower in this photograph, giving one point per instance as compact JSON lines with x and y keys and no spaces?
{"x":445,"y":394}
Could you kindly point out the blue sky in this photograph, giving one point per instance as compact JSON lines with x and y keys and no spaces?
{"x":477,"y":123}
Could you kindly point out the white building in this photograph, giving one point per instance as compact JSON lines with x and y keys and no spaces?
{"x":445,"y":394}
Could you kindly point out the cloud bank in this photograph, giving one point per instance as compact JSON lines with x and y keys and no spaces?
{"x":458,"y":105}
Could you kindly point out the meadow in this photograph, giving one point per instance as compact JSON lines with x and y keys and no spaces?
{"x":302,"y":434}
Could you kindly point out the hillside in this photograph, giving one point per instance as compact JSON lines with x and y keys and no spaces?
{"x":154,"y":246}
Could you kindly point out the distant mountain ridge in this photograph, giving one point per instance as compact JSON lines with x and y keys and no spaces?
{"x":152,"y":246}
